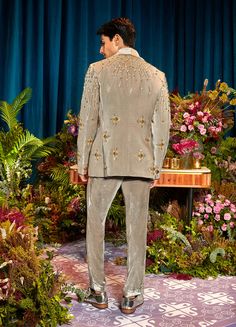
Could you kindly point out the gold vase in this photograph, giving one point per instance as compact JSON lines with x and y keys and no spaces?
{"x":174,"y":163}
{"x":166,"y":163}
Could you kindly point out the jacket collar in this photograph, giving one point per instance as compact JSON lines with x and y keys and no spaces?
{"x":129,"y":51}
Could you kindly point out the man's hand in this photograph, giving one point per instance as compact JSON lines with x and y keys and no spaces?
{"x":83,"y":178}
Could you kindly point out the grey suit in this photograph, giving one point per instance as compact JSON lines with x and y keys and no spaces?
{"x":122,"y":141}
{"x":124,"y":118}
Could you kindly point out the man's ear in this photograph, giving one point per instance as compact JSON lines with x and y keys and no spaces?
{"x":117,"y":38}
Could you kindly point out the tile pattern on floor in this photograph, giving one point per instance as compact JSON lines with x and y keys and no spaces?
{"x":168,"y":302}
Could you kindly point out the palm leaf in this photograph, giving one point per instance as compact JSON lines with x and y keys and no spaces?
{"x":60,"y":175}
{"x":8,"y":112}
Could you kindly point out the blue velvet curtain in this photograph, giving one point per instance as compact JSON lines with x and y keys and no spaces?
{"x":48,"y":44}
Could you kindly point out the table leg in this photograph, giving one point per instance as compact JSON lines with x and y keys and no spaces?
{"x":189,"y":205}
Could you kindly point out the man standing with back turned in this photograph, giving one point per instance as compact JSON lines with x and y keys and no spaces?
{"x":122,"y":141}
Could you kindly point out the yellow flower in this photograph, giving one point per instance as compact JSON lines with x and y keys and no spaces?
{"x":233,"y":102}
{"x":224,"y":87}
{"x":213,"y":95}
{"x":224,"y":98}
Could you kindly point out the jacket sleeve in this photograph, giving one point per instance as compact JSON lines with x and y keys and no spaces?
{"x":161,"y":126}
{"x":88,"y":120}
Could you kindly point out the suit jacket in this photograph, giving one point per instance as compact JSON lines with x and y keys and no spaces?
{"x":124,"y":118}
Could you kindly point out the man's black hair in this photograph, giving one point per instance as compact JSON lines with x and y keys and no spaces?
{"x":122,"y":26}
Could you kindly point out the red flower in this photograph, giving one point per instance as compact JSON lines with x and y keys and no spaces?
{"x":153,"y":236}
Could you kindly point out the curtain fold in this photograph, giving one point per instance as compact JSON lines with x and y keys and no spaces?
{"x":48,"y":44}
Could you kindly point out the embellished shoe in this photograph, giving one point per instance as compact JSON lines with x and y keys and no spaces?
{"x":130,"y":304}
{"x":98,"y":299}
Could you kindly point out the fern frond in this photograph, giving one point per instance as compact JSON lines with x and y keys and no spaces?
{"x":8,"y":112}
{"x":21,"y":99}
{"x":60,"y":175}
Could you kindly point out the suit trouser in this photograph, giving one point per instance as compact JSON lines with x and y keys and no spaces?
{"x":100,"y":194}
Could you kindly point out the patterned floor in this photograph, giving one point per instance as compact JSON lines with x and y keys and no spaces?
{"x":168,"y":302}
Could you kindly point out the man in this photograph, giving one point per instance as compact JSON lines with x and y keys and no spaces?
{"x":122,"y":141}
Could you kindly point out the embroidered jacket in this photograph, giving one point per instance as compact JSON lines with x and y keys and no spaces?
{"x":124,"y":118}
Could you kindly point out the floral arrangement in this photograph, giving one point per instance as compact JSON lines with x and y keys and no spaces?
{"x":30,"y":290}
{"x":216,"y":212}
{"x":201,"y":117}
{"x":185,"y":146}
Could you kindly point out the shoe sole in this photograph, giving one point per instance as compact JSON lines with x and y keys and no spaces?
{"x":98,"y":305}
{"x":129,"y":311}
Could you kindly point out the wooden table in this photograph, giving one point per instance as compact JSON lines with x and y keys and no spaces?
{"x":184,"y":178}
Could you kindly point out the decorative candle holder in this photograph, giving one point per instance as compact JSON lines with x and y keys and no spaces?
{"x":166,"y":163}
{"x":196,"y":163}
{"x":174,"y":163}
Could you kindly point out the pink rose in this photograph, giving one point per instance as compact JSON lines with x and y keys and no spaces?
{"x":183,"y":128}
{"x":208,"y":209}
{"x":217,"y":217}
{"x":217,"y":209}
{"x":227,"y":216}
{"x":201,"y":209}
{"x":232,"y":224}
{"x":200,"y":222}
{"x":227,"y":202}
{"x":206,"y":216}
{"x":203,"y":131}
{"x":190,"y":127}
{"x":186,"y":115}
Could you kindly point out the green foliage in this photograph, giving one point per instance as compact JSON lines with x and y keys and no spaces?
{"x":9,"y":112}
{"x":214,"y":253}
{"x":197,"y":254}
{"x":33,"y":292}
{"x":17,"y":150}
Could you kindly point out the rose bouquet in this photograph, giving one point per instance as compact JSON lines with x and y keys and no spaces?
{"x":215,"y":212}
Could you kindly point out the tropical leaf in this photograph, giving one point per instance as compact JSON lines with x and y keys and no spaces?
{"x":60,"y":175}
{"x":8,"y":112}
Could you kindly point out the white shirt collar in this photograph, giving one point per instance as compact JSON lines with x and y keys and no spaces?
{"x":129,"y":51}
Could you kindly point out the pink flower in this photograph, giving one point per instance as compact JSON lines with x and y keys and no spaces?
{"x":210,"y":228}
{"x":200,"y":114}
{"x":217,"y":209}
{"x":217,"y":217}
{"x":197,"y":214}
{"x":183,"y":128}
{"x":186,"y":115}
{"x":203,"y":131}
{"x":224,"y":227}
{"x":227,"y":216}
{"x":227,"y":202}
{"x":213,"y":150}
{"x":190,"y":127}
{"x":201,"y":209}
{"x":232,"y":224}
{"x":208,"y":209}
{"x":206,"y":216}
{"x":232,"y":207}
{"x":200,"y":222}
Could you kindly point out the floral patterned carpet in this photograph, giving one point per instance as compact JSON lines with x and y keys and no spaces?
{"x":169,"y":302}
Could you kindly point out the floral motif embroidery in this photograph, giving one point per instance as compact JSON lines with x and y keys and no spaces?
{"x":97,"y":155}
{"x":141,"y":155}
{"x":90,"y":141}
{"x":115,"y":119}
{"x":115,"y":153}
{"x":78,"y":156}
{"x":106,"y":136}
{"x":141,"y":121}
{"x":154,"y":170}
{"x":161,"y":144}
